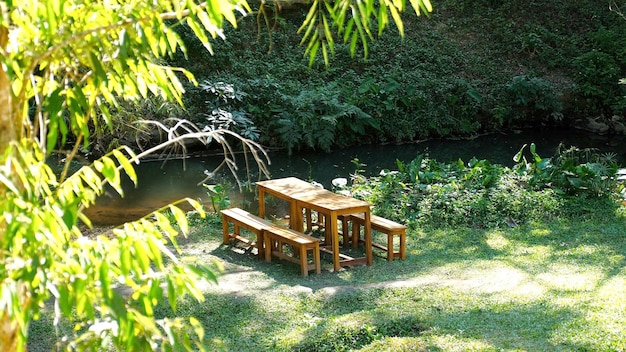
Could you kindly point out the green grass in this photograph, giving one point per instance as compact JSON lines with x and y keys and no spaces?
{"x":549,"y":286}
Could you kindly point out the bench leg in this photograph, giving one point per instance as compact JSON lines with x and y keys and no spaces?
{"x":390,"y":250}
{"x":316,"y":258}
{"x":226,"y":238}
{"x":303,"y":262}
{"x":403,"y":245}
{"x":260,"y":244}
{"x":268,"y":247}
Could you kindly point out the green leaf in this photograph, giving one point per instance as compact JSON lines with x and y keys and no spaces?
{"x":518,"y":156}
{"x":197,"y":328}
{"x":382,"y":16}
{"x":309,"y":30}
{"x":180,"y":217}
{"x":100,"y":74}
{"x":10,"y":185}
{"x":126,"y":165}
{"x":313,"y":51}
{"x":105,"y":280}
{"x":328,"y":36}
{"x":398,"y":21}
{"x":200,"y":34}
{"x":310,"y":17}
{"x":106,"y":166}
{"x":533,"y":151}
{"x":171,"y":292}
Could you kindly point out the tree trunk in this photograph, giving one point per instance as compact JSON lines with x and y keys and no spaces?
{"x":8,"y":131}
{"x":8,"y":327}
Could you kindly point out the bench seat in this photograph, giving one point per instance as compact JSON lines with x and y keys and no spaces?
{"x":380,"y":224}
{"x":276,"y":237}
{"x":241,"y":218}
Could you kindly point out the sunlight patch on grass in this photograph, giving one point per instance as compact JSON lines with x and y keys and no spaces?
{"x":454,"y":343}
{"x":486,"y":277}
{"x":540,"y":232}
{"x":397,"y":344}
{"x":612,"y":316}
{"x":497,"y":241}
{"x":534,"y":253}
{"x":614,"y":291}
{"x":569,"y":277}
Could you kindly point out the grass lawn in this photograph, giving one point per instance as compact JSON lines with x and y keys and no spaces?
{"x":553,"y":286}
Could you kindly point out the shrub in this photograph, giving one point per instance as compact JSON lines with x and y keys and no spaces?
{"x":596,"y":76}
{"x":225,"y":110}
{"x":482,"y":194}
{"x":533,"y":99}
{"x":318,"y":119}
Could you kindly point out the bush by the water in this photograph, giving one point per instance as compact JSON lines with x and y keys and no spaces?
{"x":481,"y":194}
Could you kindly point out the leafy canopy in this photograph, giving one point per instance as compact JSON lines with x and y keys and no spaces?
{"x":64,"y":65}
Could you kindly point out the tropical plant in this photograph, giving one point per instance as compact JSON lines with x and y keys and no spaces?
{"x":481,"y":194}
{"x":571,"y":171}
{"x":314,"y":117}
{"x":223,"y":102}
{"x":66,"y":66}
{"x":533,"y":98}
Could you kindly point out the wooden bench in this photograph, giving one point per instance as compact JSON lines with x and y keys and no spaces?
{"x":380,"y":224}
{"x":241,"y":218}
{"x":276,"y":237}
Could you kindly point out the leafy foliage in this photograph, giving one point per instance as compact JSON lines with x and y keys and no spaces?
{"x":316,"y":119}
{"x":223,"y":101}
{"x":60,"y":88}
{"x":572,"y":171}
{"x":354,"y":22}
{"x":70,"y":71}
{"x":597,"y":75}
{"x":533,"y":98}
{"x":45,"y":255}
{"x":481,"y":194}
{"x":469,"y":68}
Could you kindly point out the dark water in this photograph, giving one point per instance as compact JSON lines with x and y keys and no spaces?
{"x":164,"y":182}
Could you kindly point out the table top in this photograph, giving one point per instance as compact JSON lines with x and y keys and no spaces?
{"x":302,"y":191}
{"x":289,"y":186}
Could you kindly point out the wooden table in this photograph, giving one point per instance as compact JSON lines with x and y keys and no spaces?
{"x":303,"y":195}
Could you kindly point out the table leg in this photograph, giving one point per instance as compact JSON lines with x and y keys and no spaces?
{"x":334,"y":231}
{"x":368,"y":239}
{"x":295,"y":216}
{"x":328,"y":229}
{"x":309,"y":220}
{"x":261,"y":204}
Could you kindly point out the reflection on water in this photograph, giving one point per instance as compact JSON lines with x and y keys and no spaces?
{"x":161,"y":183}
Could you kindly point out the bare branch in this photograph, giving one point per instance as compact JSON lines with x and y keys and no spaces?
{"x":192,"y":132}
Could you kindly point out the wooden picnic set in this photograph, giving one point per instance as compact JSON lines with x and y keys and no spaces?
{"x":305,"y":198}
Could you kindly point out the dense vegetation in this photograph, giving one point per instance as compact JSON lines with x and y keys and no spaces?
{"x":471,"y":67}
{"x":480,"y":194}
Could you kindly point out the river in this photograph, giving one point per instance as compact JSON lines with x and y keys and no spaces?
{"x":163,"y":182}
